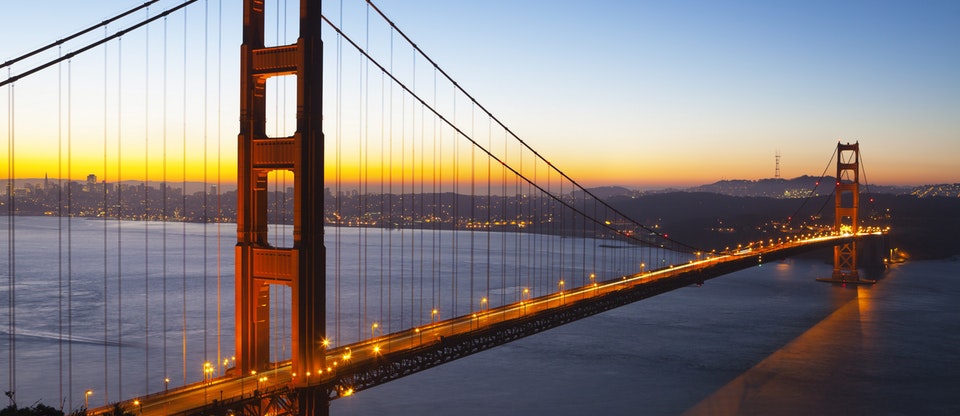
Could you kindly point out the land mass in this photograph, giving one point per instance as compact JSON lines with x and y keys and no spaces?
{"x":923,"y":220}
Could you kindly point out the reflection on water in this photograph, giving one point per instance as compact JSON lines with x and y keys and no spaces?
{"x":767,"y":340}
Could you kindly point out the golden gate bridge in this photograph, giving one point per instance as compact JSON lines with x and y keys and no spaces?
{"x":386,"y":221}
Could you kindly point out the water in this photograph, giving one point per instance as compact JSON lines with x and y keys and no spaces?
{"x":140,"y":300}
{"x":126,"y":340}
{"x":768,"y":340}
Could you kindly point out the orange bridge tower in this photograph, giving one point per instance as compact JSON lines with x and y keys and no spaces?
{"x":846,"y":216}
{"x":259,"y":264}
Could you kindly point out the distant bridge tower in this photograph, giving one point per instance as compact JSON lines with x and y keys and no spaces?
{"x":846,"y":217}
{"x":258,"y":264}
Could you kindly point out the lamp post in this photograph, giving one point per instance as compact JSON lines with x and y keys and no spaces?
{"x":525,"y":295}
{"x":373,"y":329}
{"x":261,"y":379}
{"x":207,"y":371}
{"x":86,"y":399}
{"x":252,"y":373}
{"x":434,"y":315}
{"x":166,"y":384}
{"x":560,"y":286}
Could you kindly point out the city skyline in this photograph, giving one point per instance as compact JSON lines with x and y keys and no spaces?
{"x":664,"y":95}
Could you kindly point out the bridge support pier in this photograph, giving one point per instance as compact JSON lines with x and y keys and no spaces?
{"x":312,"y":401}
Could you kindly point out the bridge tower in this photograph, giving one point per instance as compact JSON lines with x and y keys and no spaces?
{"x":846,"y":216}
{"x":258,"y":264}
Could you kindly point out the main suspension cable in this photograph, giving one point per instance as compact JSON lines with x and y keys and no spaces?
{"x":516,"y":137}
{"x":458,"y":131}
{"x":60,"y":42}
{"x":14,"y":78}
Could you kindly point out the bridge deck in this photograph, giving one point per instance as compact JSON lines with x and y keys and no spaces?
{"x":374,"y":361}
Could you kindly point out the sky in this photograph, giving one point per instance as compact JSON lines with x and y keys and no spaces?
{"x":641,"y":94}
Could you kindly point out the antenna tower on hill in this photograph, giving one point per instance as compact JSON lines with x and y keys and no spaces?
{"x":776,"y":172}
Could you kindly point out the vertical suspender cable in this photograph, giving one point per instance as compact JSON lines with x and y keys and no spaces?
{"x":219,"y":215}
{"x":364,"y":276}
{"x":401,"y":224}
{"x":458,"y":228}
{"x":60,"y":395}
{"x":383,"y":210}
{"x":146,"y":209}
{"x":414,"y":271}
{"x":11,"y":248}
{"x":422,"y":203}
{"x":422,"y":211}
{"x":437,"y":164}
{"x":338,"y":248}
{"x":390,"y":208}
{"x":119,"y":220}
{"x":490,"y":221}
{"x":183,"y":219}
{"x":204,"y":217}
{"x":70,"y":231}
{"x":519,"y":216}
{"x":163,"y":196}
{"x":473,"y":207}
{"x":106,"y":298}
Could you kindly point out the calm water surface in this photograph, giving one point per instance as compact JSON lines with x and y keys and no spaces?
{"x":767,"y":340}
{"x":763,"y":341}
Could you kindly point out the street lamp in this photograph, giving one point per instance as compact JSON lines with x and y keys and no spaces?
{"x":226,"y":362}
{"x":525,"y":295}
{"x":434,"y":315}
{"x":560,"y":285}
{"x":166,"y":383}
{"x":207,"y":371}
{"x":483,"y":304}
{"x":373,"y":329}
{"x":136,"y":402}
{"x":86,"y":399}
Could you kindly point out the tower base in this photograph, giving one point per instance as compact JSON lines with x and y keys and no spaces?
{"x":845,"y":280}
